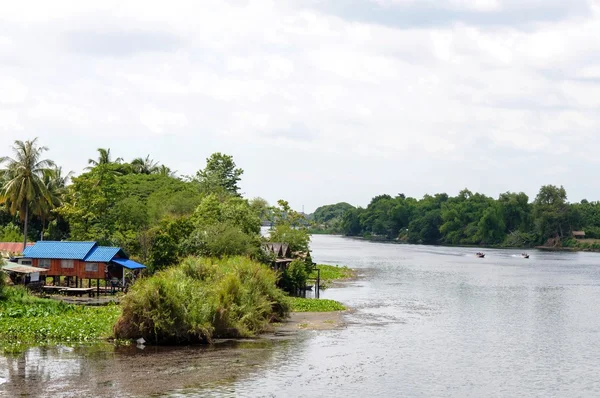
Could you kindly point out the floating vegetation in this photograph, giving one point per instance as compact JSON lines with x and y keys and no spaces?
{"x":299,"y":304}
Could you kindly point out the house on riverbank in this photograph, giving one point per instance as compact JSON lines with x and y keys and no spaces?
{"x":281,"y":253}
{"x":578,"y":234}
{"x":10,"y":249}
{"x":77,"y":261}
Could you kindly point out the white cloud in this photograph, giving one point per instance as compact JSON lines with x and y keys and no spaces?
{"x":313,"y":91}
{"x":160,"y":121}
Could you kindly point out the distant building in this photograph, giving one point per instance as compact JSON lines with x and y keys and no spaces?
{"x":579,"y":234}
{"x":282,"y":254}
{"x":8,"y":249}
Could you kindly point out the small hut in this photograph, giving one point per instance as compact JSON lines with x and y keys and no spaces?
{"x":281,"y":253}
{"x":579,"y":234}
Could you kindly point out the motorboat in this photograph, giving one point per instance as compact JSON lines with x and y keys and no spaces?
{"x":480,"y":255}
{"x":525,"y":255}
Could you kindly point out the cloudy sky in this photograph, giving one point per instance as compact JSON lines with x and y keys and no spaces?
{"x":319,"y":101}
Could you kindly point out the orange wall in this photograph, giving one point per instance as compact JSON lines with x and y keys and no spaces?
{"x":77,"y":270}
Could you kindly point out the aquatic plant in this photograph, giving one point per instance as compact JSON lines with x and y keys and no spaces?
{"x":299,"y":304}
{"x":201,"y":299}
{"x":26,"y":320}
{"x":330,"y":273}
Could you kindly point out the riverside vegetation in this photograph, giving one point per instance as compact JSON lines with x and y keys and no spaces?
{"x":207,"y":276}
{"x":511,"y":220}
{"x":26,"y":320}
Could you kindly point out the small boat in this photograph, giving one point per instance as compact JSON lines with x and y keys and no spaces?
{"x":525,"y":255}
{"x":480,"y":255}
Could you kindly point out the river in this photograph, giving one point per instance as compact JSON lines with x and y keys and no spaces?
{"x":426,"y":321}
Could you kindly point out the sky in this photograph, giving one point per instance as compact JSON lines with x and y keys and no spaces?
{"x":319,"y":101}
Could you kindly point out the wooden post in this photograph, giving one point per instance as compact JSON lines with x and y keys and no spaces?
{"x":318,"y":287}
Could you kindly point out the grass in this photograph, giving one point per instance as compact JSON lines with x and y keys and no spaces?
{"x":26,"y":320}
{"x":331,"y":273}
{"x":202,"y":299}
{"x":299,"y":304}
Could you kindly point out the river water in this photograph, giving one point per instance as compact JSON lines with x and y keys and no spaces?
{"x":426,"y":321}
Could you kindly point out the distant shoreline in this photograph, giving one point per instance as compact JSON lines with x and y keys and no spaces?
{"x":546,"y":248}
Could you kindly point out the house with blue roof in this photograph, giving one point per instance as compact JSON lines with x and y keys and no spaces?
{"x":81,"y":260}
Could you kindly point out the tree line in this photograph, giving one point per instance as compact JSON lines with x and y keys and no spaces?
{"x":142,"y":206}
{"x":469,"y":218}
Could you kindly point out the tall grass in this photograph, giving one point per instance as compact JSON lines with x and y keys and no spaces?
{"x":202,"y":299}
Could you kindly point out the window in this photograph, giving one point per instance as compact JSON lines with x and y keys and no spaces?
{"x":24,"y":262}
{"x":67,"y":264}
{"x":44,"y":263}
{"x":91,"y":267}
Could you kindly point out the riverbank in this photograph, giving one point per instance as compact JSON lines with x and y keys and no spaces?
{"x":27,"y":321}
{"x":587,"y":245}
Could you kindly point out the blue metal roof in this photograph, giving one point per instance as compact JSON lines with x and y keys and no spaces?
{"x":103,"y":254}
{"x":130,"y":264}
{"x":59,"y":250}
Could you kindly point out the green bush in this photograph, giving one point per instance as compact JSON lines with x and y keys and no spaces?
{"x":294,"y":277}
{"x":202,"y":299}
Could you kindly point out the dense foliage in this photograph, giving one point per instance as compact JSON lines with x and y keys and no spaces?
{"x":141,"y":206}
{"x":328,"y":218}
{"x":475,"y":219}
{"x":201,"y":299}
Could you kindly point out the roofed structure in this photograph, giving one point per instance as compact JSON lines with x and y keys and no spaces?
{"x":12,"y":247}
{"x":579,"y":234}
{"x":281,"y":250}
{"x":82,"y":260}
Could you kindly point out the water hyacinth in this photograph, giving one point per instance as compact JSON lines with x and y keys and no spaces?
{"x":26,"y":320}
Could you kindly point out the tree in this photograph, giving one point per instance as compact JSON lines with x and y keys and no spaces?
{"x":55,"y":183}
{"x":220,"y":173}
{"x":262,"y":209}
{"x":516,"y":211}
{"x":23,"y":186}
{"x":164,"y":171}
{"x":145,"y":166}
{"x":289,"y":228}
{"x":551,"y":212}
{"x":104,"y":157}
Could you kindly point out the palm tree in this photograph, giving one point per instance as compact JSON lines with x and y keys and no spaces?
{"x":144,"y":166}
{"x":22,"y":180}
{"x":56,"y":184}
{"x":103,"y":158}
{"x":165,"y":171}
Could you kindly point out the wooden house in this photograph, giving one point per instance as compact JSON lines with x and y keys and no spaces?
{"x":579,"y":234}
{"x":281,"y":253}
{"x":80,"y":260}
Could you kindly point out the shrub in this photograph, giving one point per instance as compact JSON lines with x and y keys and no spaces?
{"x":294,"y":277}
{"x":202,"y":299}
